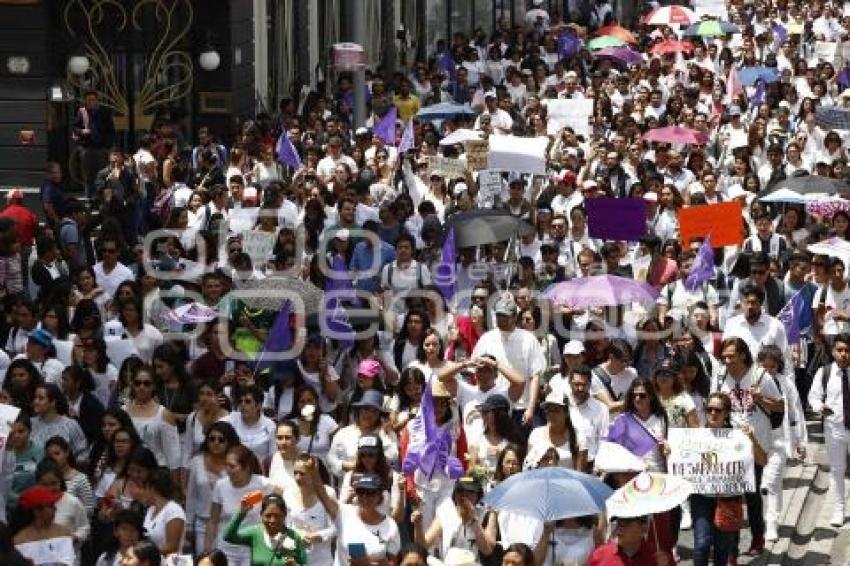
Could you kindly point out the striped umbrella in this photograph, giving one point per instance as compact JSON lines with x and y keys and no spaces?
{"x":617,"y":31}
{"x":711,"y":28}
{"x":605,"y":41}
{"x":671,"y":15}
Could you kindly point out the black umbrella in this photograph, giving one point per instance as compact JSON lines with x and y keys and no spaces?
{"x":807,"y":184}
{"x":485,"y":226}
{"x":832,"y":117}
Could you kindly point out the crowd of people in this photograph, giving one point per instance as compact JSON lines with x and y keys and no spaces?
{"x":145,"y":435}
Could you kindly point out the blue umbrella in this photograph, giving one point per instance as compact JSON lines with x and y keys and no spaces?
{"x":549,"y":494}
{"x":445,"y":111}
{"x":750,"y":75}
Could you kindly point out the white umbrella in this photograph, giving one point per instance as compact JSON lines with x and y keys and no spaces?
{"x":613,"y":457}
{"x":647,"y":494}
{"x":461,"y":135}
{"x":834,"y":247}
{"x":787,"y":195}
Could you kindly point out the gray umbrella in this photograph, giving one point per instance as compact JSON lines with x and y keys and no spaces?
{"x":806,"y":184}
{"x":485,"y":226}
{"x":268,"y":299}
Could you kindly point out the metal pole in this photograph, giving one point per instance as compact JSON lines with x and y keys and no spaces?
{"x":358,"y":33}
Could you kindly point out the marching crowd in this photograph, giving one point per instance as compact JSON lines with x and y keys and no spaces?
{"x":143,"y":331}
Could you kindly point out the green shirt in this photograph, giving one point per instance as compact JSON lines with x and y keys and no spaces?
{"x":261,"y":553}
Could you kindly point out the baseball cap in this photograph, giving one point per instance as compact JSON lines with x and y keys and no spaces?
{"x":369,"y":368}
{"x":41,"y":337}
{"x":506,"y":306}
{"x":495,"y":403}
{"x":369,"y":443}
{"x":369,"y":482}
{"x":555,"y":398}
{"x":573,"y":348}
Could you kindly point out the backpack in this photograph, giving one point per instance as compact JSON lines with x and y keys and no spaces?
{"x":775,"y":418}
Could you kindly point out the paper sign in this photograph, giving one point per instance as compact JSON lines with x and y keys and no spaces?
{"x":476,"y":154}
{"x":723,"y":221}
{"x":562,"y":112}
{"x":447,"y":167}
{"x":119,"y":349}
{"x":242,"y":219}
{"x":520,"y":155}
{"x":8,"y":414}
{"x":715,"y":461}
{"x":489,"y":186}
{"x":616,"y":218}
{"x":825,"y":51}
{"x":58,"y":550}
{"x":258,"y":245}
{"x":715,"y":9}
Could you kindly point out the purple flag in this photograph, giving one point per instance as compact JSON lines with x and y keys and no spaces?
{"x":278,"y":340}
{"x":444,"y":272}
{"x":791,"y":316}
{"x":446,"y":64}
{"x":703,"y":268}
{"x":286,"y":153}
{"x":843,"y":78}
{"x":335,"y":316}
{"x":759,"y":94}
{"x":429,"y":450}
{"x":780,"y":33}
{"x":616,"y":218}
{"x":631,"y":435}
{"x":568,"y":44}
{"x":407,"y":139}
{"x":385,"y":128}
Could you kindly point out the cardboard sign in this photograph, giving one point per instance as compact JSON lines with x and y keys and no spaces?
{"x":476,"y":154}
{"x":447,"y":167}
{"x":715,"y":461}
{"x":616,"y":218}
{"x":723,"y":221}
{"x":258,"y":246}
{"x":562,"y":112}
{"x":520,"y":155}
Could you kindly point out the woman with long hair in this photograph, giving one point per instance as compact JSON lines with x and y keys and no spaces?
{"x":208,"y":412}
{"x":560,"y":433}
{"x":430,"y":356}
{"x":499,"y":430}
{"x":50,"y":410}
{"x":78,"y":386}
{"x":155,"y":424}
{"x":244,"y":476}
{"x":38,"y":506}
{"x":205,"y":469}
{"x":146,"y":337}
{"x":174,"y":390}
{"x":165,"y":520}
{"x":307,"y":511}
{"x":77,"y":484}
{"x":371,"y":460}
{"x":410,"y":338}
{"x":90,"y":354}
{"x":643,"y":407}
{"x":70,"y":511}
{"x":315,"y":428}
{"x":405,"y":403}
{"x":106,"y":458}
{"x":27,"y":456}
{"x":21,"y":380}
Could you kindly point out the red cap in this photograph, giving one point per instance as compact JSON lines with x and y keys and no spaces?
{"x":39,"y":496}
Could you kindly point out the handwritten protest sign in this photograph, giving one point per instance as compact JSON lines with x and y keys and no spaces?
{"x":520,"y":155}
{"x":562,"y":112}
{"x":723,"y":221}
{"x":825,"y":51}
{"x":476,"y":154}
{"x":715,"y":461}
{"x":616,"y":219}
{"x":258,"y":245}
{"x":446,"y":166}
{"x":57,"y":550}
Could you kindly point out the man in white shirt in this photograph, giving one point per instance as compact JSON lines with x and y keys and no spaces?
{"x":500,"y":121}
{"x":677,"y":301}
{"x":403,"y":275}
{"x":589,"y":415}
{"x":830,"y":396}
{"x":520,"y":350}
{"x":613,"y":377}
{"x":110,"y":272}
{"x":832,"y":301}
{"x":327,"y":165}
{"x":756,"y":327}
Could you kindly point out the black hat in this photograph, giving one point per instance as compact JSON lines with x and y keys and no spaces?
{"x":495,"y":403}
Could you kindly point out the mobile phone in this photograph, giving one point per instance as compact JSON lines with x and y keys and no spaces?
{"x":356,"y":550}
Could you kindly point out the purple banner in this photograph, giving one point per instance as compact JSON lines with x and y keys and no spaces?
{"x":616,"y":218}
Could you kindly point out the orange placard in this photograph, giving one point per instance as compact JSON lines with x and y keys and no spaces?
{"x":723,"y":221}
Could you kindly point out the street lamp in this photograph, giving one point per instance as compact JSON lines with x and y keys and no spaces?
{"x":209,"y":59}
{"x":78,"y":64}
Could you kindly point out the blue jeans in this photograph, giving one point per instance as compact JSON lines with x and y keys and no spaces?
{"x":706,"y":534}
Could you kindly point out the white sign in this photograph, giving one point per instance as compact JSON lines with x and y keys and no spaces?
{"x":711,"y":8}
{"x":447,"y":167}
{"x":520,"y":155}
{"x":825,"y":51}
{"x":563,"y":112}
{"x":258,"y":245}
{"x":58,"y":550}
{"x":8,"y":414}
{"x":715,"y":461}
{"x":490,"y":186}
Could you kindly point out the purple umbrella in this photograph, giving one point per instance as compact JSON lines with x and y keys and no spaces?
{"x":600,"y":291}
{"x":623,"y":55}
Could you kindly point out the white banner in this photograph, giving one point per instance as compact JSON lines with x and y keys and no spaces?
{"x":520,"y":155}
{"x":825,"y":51}
{"x":715,"y":461}
{"x":562,"y":112}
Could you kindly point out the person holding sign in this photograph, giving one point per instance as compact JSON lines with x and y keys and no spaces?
{"x":271,"y":543}
{"x":708,"y":530}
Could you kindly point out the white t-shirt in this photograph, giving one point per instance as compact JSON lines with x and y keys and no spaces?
{"x":230,"y":500}
{"x":156,"y":523}
{"x":520,"y":349}
{"x":835,"y":300}
{"x":259,"y":437}
{"x":380,"y":540}
{"x":468,"y":399}
{"x":539,"y":439}
{"x":619,"y":382}
{"x":109,"y":281}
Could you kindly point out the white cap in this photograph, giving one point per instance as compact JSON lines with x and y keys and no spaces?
{"x":113,"y":329}
{"x":573,"y":348}
{"x":650,"y":196}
